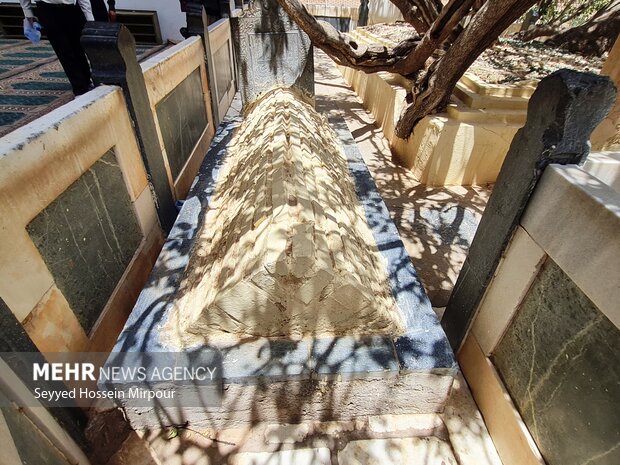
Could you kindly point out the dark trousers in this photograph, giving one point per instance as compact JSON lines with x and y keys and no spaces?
{"x":63,"y":26}
{"x":100,"y":12}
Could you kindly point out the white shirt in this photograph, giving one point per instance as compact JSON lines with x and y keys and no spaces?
{"x":84,"y":6}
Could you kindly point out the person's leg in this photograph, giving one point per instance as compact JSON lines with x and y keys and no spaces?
{"x":63,"y":27}
{"x":81,"y":62}
{"x":100,"y":12}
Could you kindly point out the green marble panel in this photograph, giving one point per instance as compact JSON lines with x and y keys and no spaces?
{"x":560,"y":361}
{"x":223,"y":70}
{"x":182,"y":119}
{"x":87,"y":237}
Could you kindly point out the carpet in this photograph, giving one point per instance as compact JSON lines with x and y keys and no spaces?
{"x":32,"y":82}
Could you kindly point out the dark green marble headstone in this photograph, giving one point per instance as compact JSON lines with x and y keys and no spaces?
{"x":182,"y":119}
{"x":223,"y":71}
{"x":87,"y":237}
{"x":560,"y":360}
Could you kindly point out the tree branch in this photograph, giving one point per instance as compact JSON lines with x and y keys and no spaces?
{"x":435,"y":89}
{"x":419,"y":13}
{"x":443,"y":28}
{"x":370,"y":58}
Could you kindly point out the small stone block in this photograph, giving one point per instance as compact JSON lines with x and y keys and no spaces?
{"x":425,"y":350}
{"x":266,"y":360}
{"x":427,"y":451}
{"x":319,"y":456}
{"x":349,"y":357}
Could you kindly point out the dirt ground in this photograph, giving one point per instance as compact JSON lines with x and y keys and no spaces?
{"x":509,"y":61}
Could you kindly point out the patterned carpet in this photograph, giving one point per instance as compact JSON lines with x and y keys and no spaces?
{"x":33,"y":83}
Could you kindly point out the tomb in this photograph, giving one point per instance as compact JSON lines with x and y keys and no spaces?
{"x":285,"y":272}
{"x":285,"y":241}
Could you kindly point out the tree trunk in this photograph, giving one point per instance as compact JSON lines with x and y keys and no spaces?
{"x":433,"y":91}
{"x":593,"y":38}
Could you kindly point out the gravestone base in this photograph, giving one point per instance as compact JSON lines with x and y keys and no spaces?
{"x":306,"y":400}
{"x":310,"y":378}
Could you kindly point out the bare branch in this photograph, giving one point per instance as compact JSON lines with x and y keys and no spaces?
{"x":419,"y":13}
{"x":443,"y":27}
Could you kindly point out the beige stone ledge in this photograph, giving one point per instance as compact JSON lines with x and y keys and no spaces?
{"x":575,"y":218}
{"x":606,"y":167}
{"x":464,"y":146}
{"x":53,"y":326}
{"x":476,"y":100}
{"x":513,"y":278}
{"x":477,"y":85}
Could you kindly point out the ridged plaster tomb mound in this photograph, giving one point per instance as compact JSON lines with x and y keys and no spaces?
{"x":285,"y":249}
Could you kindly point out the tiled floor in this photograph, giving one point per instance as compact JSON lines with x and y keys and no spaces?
{"x":32,"y":81}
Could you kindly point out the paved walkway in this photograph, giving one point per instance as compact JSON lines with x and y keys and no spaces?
{"x":436,"y":224}
{"x":32,"y":82}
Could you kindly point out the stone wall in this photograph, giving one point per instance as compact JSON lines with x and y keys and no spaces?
{"x":549,"y":321}
{"x":78,"y":227}
{"x":285,"y":249}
